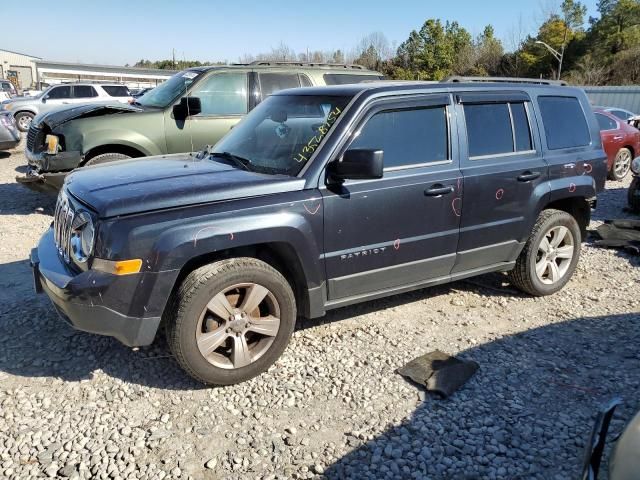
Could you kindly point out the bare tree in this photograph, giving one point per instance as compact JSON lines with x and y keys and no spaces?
{"x":588,"y":71}
{"x":372,"y":49}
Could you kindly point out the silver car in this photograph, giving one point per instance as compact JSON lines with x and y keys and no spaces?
{"x":9,"y":134}
{"x":25,"y":108}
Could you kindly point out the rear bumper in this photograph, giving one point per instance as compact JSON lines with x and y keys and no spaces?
{"x":93,"y":301}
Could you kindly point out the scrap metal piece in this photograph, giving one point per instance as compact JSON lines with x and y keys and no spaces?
{"x":620,"y":234}
{"x":439,"y":372}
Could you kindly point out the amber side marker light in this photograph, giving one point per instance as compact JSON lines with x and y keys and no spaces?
{"x":120,"y":267}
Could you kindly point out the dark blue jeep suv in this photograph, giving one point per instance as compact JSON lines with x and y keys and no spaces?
{"x":320,"y":198}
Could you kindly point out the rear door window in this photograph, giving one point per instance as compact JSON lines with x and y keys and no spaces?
{"x":621,"y":114}
{"x":345,"y":78}
{"x":605,"y":122}
{"x":116,"y":90}
{"x":84,"y":91}
{"x":273,"y":82}
{"x":60,"y":92}
{"x":565,"y":124}
{"x":521,"y":129}
{"x":488,"y":129}
{"x":408,"y":137}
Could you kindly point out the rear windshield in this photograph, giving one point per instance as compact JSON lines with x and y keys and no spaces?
{"x":116,"y":90}
{"x":345,"y":78}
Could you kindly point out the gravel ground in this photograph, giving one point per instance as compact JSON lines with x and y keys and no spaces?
{"x":82,"y":406}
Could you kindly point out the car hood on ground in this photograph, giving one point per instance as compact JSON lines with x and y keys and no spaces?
{"x":62,"y":115}
{"x":154,"y":183}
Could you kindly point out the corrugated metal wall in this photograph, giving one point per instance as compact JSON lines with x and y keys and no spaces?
{"x":627,"y":97}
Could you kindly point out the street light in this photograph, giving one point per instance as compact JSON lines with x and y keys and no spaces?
{"x":558,"y":55}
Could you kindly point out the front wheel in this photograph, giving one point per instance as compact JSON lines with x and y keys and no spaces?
{"x":23,"y":121}
{"x":106,"y":157}
{"x":621,"y":165}
{"x":230,"y":320}
{"x":550,"y":255}
{"x":633,"y":195}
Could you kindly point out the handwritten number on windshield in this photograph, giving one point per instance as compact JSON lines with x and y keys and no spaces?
{"x":314,"y":141}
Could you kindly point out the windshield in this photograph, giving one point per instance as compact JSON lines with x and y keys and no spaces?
{"x":165,"y":93}
{"x":280,"y":135}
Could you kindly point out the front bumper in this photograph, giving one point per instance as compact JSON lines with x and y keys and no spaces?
{"x":94,"y":301}
{"x":59,"y":162}
{"x":48,"y":183}
{"x":8,"y":145}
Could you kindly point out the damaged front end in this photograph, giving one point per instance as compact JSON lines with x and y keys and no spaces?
{"x":48,"y":159}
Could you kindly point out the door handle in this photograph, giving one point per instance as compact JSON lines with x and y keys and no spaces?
{"x":528,"y":176}
{"x":438,"y":190}
{"x":618,"y":137}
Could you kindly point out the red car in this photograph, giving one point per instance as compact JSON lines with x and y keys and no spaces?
{"x":621,"y":143}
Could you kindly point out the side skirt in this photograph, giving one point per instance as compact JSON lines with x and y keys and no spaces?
{"x":343,"y":302}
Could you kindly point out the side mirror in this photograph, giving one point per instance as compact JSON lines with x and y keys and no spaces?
{"x":44,"y":99}
{"x":358,"y":165}
{"x":187,"y":107}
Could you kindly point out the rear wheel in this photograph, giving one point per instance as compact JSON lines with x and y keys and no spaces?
{"x":550,"y":255}
{"x":230,"y":320}
{"x":106,"y":157}
{"x":633,"y":195}
{"x":23,"y":120}
{"x":621,"y":165}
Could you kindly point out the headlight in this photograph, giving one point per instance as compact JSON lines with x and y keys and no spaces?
{"x":635,"y":166}
{"x":82,"y":237}
{"x":53,"y":144}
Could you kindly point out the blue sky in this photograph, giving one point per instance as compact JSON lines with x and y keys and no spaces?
{"x":119,"y":32}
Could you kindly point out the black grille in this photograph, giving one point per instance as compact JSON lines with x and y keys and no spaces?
{"x":34,"y":139}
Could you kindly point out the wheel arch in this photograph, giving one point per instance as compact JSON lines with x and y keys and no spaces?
{"x":632,"y":150}
{"x":112,"y":148}
{"x":24,"y":110}
{"x":578,"y":207}
{"x":278,"y":255}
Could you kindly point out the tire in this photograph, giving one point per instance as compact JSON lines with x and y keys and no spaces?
{"x":106,"y":157}
{"x":634,"y":200}
{"x":621,"y":164}
{"x":23,"y":120}
{"x":192,"y":320}
{"x":549,"y":225}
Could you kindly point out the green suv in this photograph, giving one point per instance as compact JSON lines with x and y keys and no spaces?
{"x":192,"y":109}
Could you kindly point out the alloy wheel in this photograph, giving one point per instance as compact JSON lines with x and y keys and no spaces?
{"x":623,"y":163}
{"x":238,"y":325}
{"x":554,"y":256}
{"x":24,"y":122}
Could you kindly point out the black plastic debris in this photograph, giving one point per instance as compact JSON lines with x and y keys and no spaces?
{"x":620,"y":234}
{"x":439,"y":372}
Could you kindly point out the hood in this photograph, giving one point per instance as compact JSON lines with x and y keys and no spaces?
{"x":62,"y":115}
{"x":154,"y":183}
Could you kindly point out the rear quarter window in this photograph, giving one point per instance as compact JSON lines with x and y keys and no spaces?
{"x":565,"y":124}
{"x":116,"y":90}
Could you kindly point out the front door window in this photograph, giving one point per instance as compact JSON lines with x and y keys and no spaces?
{"x":222,"y":94}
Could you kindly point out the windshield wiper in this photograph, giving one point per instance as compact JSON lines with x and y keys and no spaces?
{"x":243,"y":163}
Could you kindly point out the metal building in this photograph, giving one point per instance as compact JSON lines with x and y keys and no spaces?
{"x":18,"y":68}
{"x":627,"y":97}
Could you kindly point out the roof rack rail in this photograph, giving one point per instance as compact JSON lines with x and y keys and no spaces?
{"x":538,"y":81}
{"x":306,"y":64}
